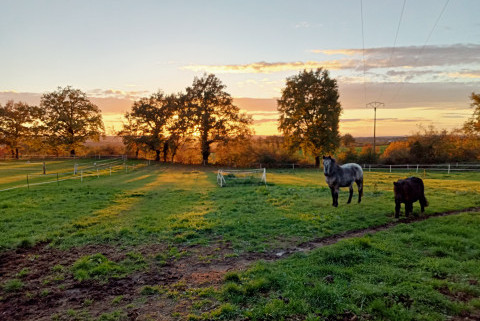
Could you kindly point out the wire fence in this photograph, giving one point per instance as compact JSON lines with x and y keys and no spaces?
{"x":80,"y":172}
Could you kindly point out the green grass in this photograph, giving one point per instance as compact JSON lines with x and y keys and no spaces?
{"x":12,"y":285}
{"x":412,"y":272}
{"x":176,"y":205}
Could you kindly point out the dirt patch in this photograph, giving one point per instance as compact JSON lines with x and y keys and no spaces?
{"x":456,"y":295}
{"x":38,"y":283}
{"x":467,"y":316}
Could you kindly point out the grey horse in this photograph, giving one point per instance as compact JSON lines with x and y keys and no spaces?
{"x":342,"y":176}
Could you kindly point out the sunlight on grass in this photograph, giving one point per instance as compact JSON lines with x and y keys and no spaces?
{"x":165,"y":203}
{"x":139,"y":178}
{"x":414,"y":272}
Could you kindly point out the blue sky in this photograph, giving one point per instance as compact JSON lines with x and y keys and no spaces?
{"x":117,"y":51}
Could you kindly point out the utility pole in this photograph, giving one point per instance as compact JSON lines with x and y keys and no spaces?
{"x":374,"y":105}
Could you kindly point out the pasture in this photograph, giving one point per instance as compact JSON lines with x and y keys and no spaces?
{"x":164,"y":242}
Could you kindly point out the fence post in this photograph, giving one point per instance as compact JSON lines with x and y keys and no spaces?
{"x":44,"y":168}
{"x":58,"y":183}
{"x":417,"y":168}
{"x":75,"y":169}
{"x":390,"y":168}
{"x":448,"y":168}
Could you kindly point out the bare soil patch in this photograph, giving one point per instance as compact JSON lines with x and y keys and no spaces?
{"x":49,"y":291}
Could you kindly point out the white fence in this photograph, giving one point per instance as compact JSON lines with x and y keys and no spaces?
{"x":449,"y":168}
{"x":80,"y":172}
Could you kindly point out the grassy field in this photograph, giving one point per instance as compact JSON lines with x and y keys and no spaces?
{"x":165,"y":242}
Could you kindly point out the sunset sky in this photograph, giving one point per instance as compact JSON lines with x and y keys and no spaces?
{"x":421,"y":58}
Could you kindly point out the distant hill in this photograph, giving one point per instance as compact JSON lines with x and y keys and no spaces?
{"x":382,"y":140}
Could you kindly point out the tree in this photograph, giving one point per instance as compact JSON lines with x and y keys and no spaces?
{"x":212,"y":115}
{"x":397,"y":153}
{"x":147,"y":123}
{"x":179,"y":125}
{"x":347,"y":140}
{"x":131,"y":134}
{"x":309,"y":113}
{"x":18,"y":122}
{"x":70,"y":118}
{"x":473,"y":124}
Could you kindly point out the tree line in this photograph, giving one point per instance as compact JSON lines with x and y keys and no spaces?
{"x":191,"y":125}
{"x":204,"y":114}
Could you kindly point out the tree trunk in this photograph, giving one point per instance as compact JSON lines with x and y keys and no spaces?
{"x":16,"y":153}
{"x":205,"y":152}
{"x":317,"y":161}
{"x":165,"y":151}
{"x":173,"y":153}
{"x":157,"y":155}
{"x":72,"y":152}
{"x":13,"y":153}
{"x":136,"y":153}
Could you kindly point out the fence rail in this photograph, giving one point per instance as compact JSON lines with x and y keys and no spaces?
{"x":81,"y":173}
{"x":448,"y":167}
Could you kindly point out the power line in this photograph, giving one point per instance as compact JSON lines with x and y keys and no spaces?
{"x":401,"y":85}
{"x":394,"y":44}
{"x":363,"y":53}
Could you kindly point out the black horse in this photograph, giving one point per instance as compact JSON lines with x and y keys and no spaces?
{"x":342,"y":176}
{"x":408,"y":191}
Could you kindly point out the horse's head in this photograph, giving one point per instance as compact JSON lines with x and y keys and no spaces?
{"x":328,"y":165}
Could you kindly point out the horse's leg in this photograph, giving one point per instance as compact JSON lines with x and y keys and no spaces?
{"x":408,"y":208}
{"x":337,"y":189}
{"x":397,"y":208}
{"x":351,"y":193}
{"x":360,"y":189}
{"x":332,"y":189}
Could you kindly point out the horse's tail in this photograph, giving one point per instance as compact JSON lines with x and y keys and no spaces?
{"x":360,"y":185}
{"x":361,"y":189}
{"x":424,"y":201}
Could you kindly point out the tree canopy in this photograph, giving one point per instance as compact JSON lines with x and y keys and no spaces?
{"x":150,"y":123}
{"x":310,"y":113}
{"x":70,"y":118}
{"x":212,"y":114}
{"x":18,"y":122}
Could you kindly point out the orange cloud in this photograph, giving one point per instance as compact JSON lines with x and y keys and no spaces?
{"x":465,"y":74}
{"x":269,"y":67}
{"x":346,"y":52}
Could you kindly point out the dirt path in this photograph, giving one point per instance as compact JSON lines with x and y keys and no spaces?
{"x":49,"y":291}
{"x":329,"y":240}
